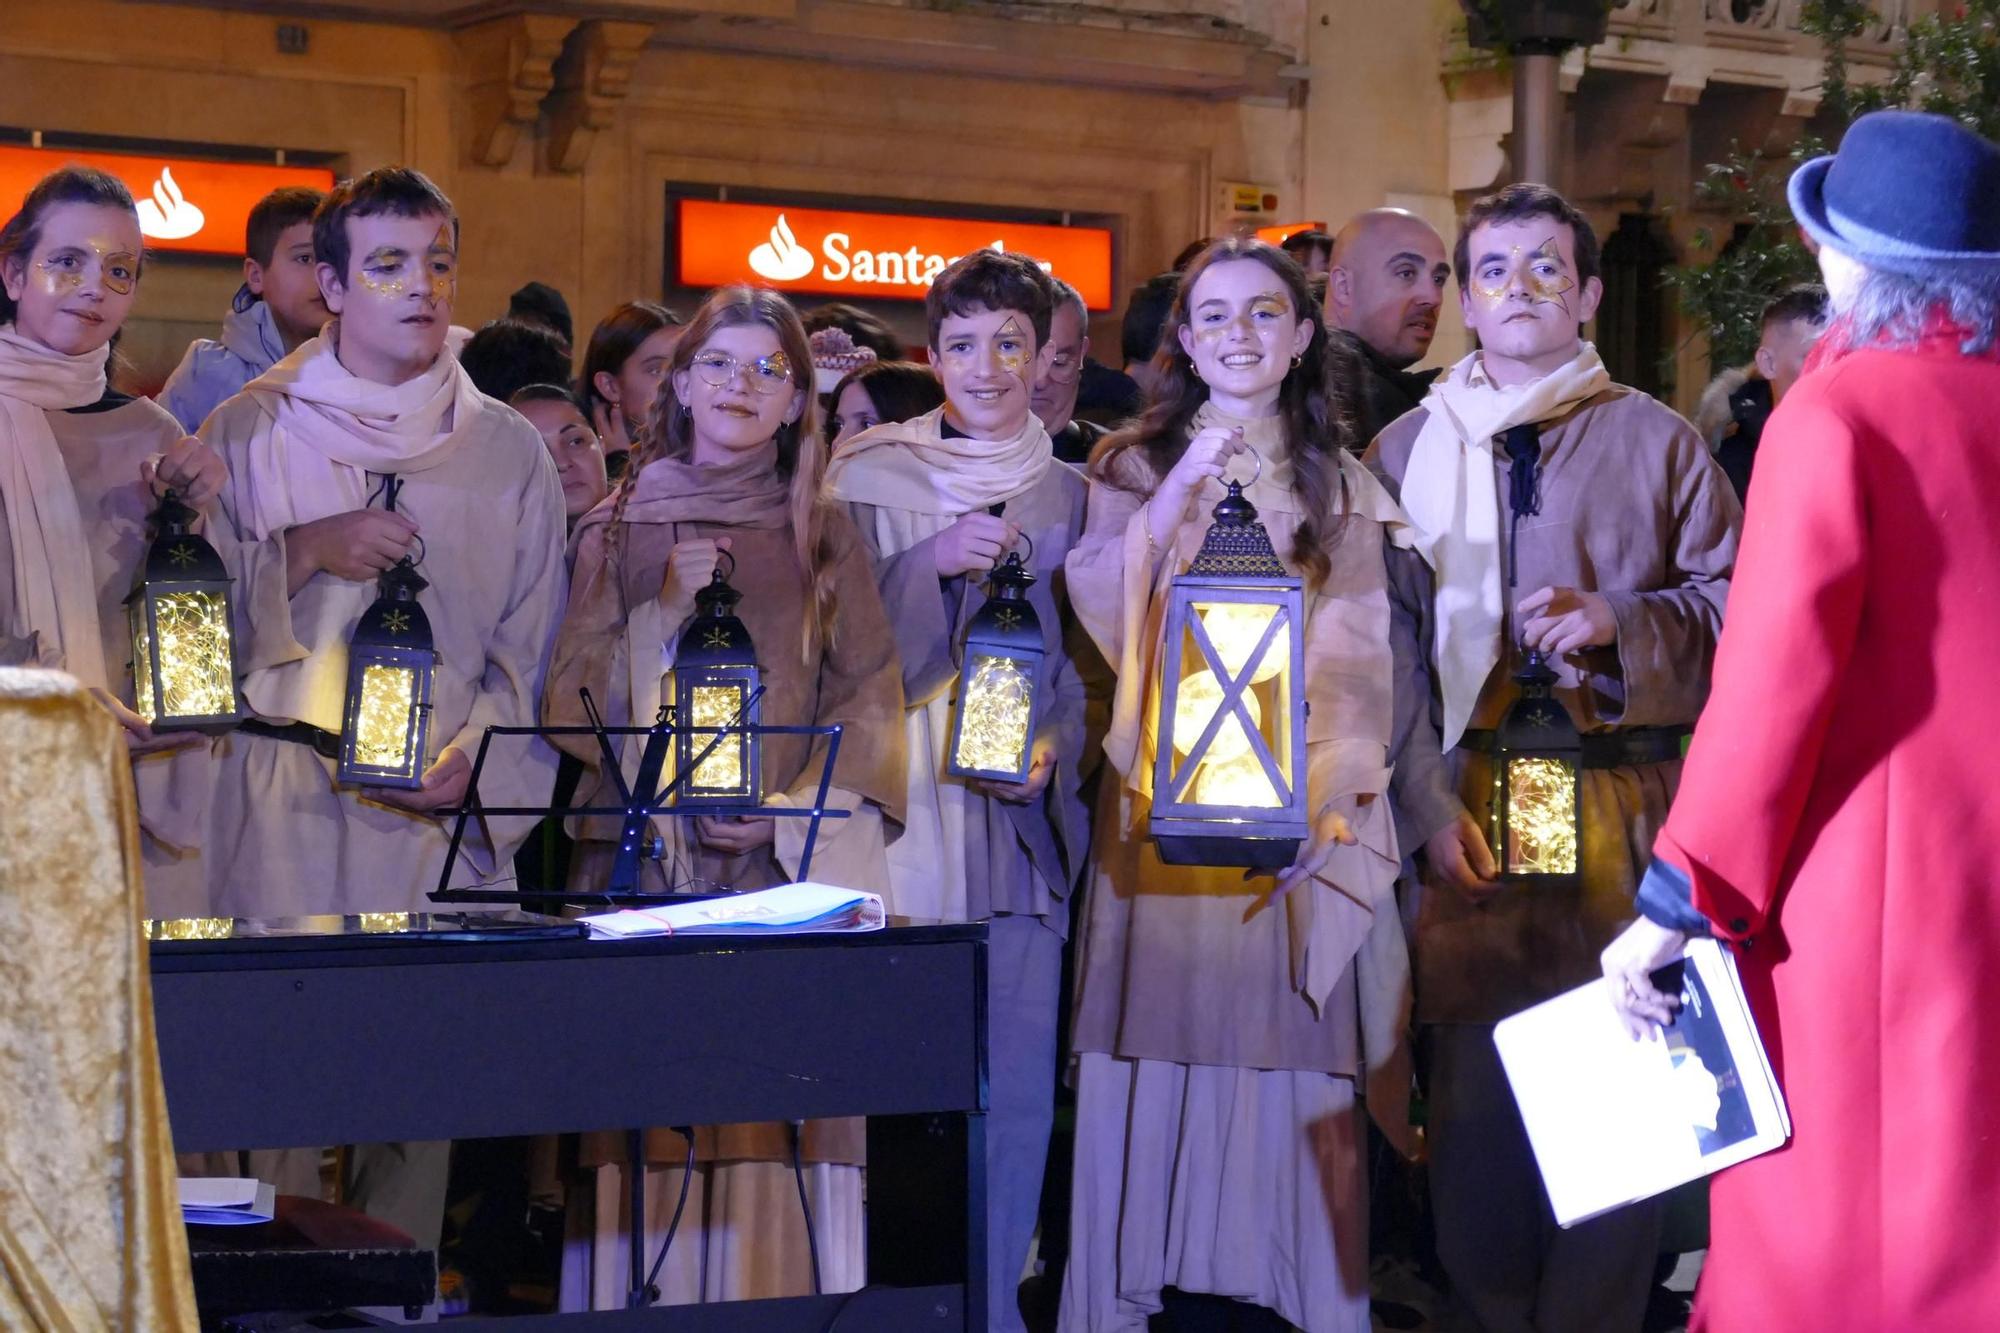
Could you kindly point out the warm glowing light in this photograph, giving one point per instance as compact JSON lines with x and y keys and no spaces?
{"x":197,"y":673}
{"x":384,"y":923}
{"x":1541,"y":817}
{"x":385,"y":723}
{"x":995,"y":714}
{"x":717,"y":706}
{"x":1200,"y":695}
{"x":192,"y":928}
{"x":1241,"y":781}
{"x":1235,"y":627}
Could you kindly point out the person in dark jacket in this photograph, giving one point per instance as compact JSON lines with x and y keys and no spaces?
{"x":1383,"y":294}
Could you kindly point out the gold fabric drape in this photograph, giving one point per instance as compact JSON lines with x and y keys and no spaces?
{"x":90,"y":1229}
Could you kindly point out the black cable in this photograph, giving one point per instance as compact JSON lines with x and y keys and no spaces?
{"x":799,"y":1175}
{"x":687,"y":1174}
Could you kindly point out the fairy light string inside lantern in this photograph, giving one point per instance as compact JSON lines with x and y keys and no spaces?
{"x":183,"y":654}
{"x":716,"y":693}
{"x":1002,"y":668}
{"x":1536,"y":815}
{"x":391,"y":670}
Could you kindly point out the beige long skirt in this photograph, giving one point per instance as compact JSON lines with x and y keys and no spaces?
{"x":742,"y":1234}
{"x":1233,"y":1182}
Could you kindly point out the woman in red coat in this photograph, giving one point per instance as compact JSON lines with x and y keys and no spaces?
{"x":1839,"y":816}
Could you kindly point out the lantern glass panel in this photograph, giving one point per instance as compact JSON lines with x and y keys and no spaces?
{"x":142,"y":661}
{"x":1541,"y":816}
{"x":195,"y":669}
{"x":716,"y":705}
{"x":1228,"y":770}
{"x":386,"y":734}
{"x":997,"y":706}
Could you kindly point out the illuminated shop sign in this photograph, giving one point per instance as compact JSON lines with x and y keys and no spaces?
{"x":185,"y":204}
{"x":1284,"y":231}
{"x":890,"y":256}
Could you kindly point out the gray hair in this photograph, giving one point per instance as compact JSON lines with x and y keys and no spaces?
{"x":1068,"y":296}
{"x":1898,"y":307}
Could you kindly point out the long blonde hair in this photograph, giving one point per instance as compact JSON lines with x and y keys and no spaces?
{"x":669,"y":433}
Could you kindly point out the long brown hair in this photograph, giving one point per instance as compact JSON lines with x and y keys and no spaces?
{"x":1315,"y":403}
{"x":669,"y":433}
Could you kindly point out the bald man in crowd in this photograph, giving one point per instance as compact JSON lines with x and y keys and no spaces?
{"x":1384,"y":289}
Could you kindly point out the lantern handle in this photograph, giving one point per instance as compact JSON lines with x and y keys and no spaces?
{"x":722,"y":554}
{"x":1028,"y":561}
{"x":1255,"y":477}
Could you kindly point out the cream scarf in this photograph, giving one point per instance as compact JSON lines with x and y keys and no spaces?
{"x":920,"y":482}
{"x":54,"y":596}
{"x":331,"y":429}
{"x":913,"y":465}
{"x":1452,"y":496}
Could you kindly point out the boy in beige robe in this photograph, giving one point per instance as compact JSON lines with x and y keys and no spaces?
{"x":1616,"y":569}
{"x":372,"y":407}
{"x":940,"y":500}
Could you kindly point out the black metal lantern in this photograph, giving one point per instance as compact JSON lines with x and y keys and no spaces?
{"x":999,"y":681}
{"x":183,"y":661}
{"x":1536,"y":828}
{"x":716,"y":686}
{"x":391,"y":665}
{"x":1229,"y":771}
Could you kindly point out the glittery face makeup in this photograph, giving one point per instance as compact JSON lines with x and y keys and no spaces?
{"x":986,"y":361}
{"x":389,"y":271}
{"x":67,"y":268}
{"x":73,"y":290}
{"x":1264,"y":310}
{"x":1010,"y":346}
{"x":1540,"y":273}
{"x":1242,"y":333}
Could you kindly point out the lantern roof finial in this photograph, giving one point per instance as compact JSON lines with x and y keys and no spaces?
{"x":1237,"y":544}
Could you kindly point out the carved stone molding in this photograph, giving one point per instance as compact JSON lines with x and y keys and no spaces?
{"x":510,"y":67}
{"x":592,"y":78}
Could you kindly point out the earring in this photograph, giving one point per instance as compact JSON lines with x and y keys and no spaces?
{"x":1194,"y":370}
{"x":1298,"y":359}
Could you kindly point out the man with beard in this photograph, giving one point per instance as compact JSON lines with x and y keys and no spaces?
{"x":1383,"y":292}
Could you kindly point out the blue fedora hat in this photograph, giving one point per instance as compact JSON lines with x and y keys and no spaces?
{"x":1908,"y":192}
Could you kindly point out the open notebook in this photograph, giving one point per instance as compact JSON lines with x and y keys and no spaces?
{"x":790,"y":909}
{"x":1613,"y":1120}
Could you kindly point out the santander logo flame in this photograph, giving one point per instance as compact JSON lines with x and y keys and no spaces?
{"x":782,"y":258}
{"x":168,"y":215}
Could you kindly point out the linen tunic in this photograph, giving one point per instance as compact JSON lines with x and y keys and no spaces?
{"x":973,"y":856}
{"x":1634,"y":507}
{"x":283,"y":840}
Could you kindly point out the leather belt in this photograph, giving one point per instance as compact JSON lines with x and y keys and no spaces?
{"x":1605,"y":749}
{"x":323,"y":743}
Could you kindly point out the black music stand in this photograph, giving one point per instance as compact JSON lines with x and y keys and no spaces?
{"x":645,"y":797}
{"x":639,"y":802}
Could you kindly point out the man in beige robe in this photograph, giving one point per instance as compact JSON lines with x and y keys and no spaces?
{"x":1616,"y":569}
{"x":376,"y":407}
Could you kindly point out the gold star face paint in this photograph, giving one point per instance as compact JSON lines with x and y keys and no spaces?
{"x":1010,"y":346}
{"x":120,"y":266}
{"x":385,"y":271}
{"x":1263,"y":308}
{"x":1539,"y":272}
{"x":389,"y":271}
{"x":67,"y":268}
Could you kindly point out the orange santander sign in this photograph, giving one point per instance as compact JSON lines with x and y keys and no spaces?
{"x":185,"y":204}
{"x":884,"y":255}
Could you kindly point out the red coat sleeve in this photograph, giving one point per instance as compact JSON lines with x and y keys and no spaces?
{"x":1792,"y":617}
